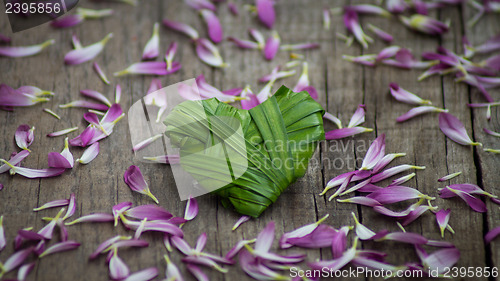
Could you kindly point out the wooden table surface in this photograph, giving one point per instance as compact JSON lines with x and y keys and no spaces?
{"x":341,"y":85}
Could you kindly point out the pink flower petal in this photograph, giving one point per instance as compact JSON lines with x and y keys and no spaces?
{"x":405,"y":96}
{"x":134,"y":179}
{"x":25,"y":270}
{"x":151,"y":212}
{"x":361,"y":200}
{"x":143,"y":275}
{"x":118,"y":270}
{"x":393,"y":194}
{"x":78,"y":56}
{"x":345,"y":132}
{"x":442,"y":259}
{"x":265,"y":12}
{"x":265,"y":238}
{"x":258,"y":36}
{"x":297,"y":47}
{"x":240,"y":221}
{"x":16,"y":259}
{"x":148,"y":68}
{"x":375,"y":153}
{"x":201,"y":4}
{"x":299,"y":233}
{"x":215,"y":32}
{"x":454,"y":129}
{"x":3,"y":242}
{"x":442,"y":218}
{"x":89,"y":154}
{"x":85,"y":104}
{"x":492,"y":234}
{"x":24,"y":136}
{"x":272,"y":45}
{"x":233,"y":8}
{"x":419,"y":110}
{"x":473,"y":202}
{"x":197,"y":272}
{"x":17,"y":52}
{"x":380,"y":33}
{"x":209,"y":54}
{"x":101,"y":74}
{"x":243,"y":44}
{"x":67,"y":21}
{"x":425,"y":24}
{"x":182,"y":28}
{"x":60,"y":247}
{"x":152,"y":48}
{"x":96,"y":217}
{"x":191,"y":209}
{"x":52,"y":204}
{"x":10,"y":97}
{"x":145,"y":143}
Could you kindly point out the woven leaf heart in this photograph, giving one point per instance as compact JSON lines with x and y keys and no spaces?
{"x":278,"y":138}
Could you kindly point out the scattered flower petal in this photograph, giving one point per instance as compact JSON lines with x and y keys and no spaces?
{"x":84,"y":54}
{"x":17,"y":52}
{"x":454,"y":129}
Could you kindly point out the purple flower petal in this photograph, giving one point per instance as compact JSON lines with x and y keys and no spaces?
{"x":300,"y":46}
{"x":25,"y":270}
{"x":215,"y":32}
{"x":17,"y":52}
{"x":148,"y":68}
{"x":24,"y":136}
{"x":152,"y":48}
{"x":182,"y":28}
{"x":96,"y":217}
{"x":191,"y":209}
{"x":209,"y":54}
{"x":449,"y":177}
{"x":473,"y":202}
{"x":358,"y":117}
{"x":425,"y":24}
{"x":272,"y":45}
{"x":233,"y":9}
{"x":265,"y":12}
{"x":14,"y":160}
{"x":2,"y":235}
{"x":97,"y":96}
{"x":393,"y":194}
{"x":101,"y":74}
{"x":201,"y":4}
{"x":320,"y":237}
{"x":345,"y":132}
{"x":337,"y":263}
{"x":442,"y":259}
{"x":52,"y":204}
{"x":16,"y":259}
{"x":362,"y":232}
{"x":118,"y":270}
{"x":300,"y":232}
{"x":351,"y":22}
{"x":196,"y":271}
{"x":454,"y":129}
{"x":405,"y":96}
{"x":237,"y":248}
{"x":81,"y":55}
{"x":242,"y":220}
{"x":361,"y":200}
{"x":151,"y":212}
{"x":442,"y":218}
{"x":256,"y":270}
{"x":375,"y":153}
{"x":60,"y":247}
{"x":244,"y":44}
{"x":334,"y":119}
{"x":85,"y":104}
{"x":393,"y":171}
{"x":265,"y":238}
{"x":4,"y":39}
{"x":35,"y":173}
{"x":134,"y":179}
{"x":419,"y":110}
{"x":258,"y":36}
{"x":143,"y":275}
{"x":369,"y":9}
{"x":10,"y":97}
{"x":492,"y":234}
{"x":89,"y":154}
{"x":380,"y":33}
{"x":67,"y":21}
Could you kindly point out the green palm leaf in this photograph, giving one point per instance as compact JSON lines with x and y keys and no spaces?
{"x":278,"y":139}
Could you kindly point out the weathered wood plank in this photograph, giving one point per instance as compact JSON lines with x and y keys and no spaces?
{"x":487,"y":163}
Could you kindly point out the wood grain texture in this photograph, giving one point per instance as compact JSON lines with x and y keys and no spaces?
{"x":341,"y":86}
